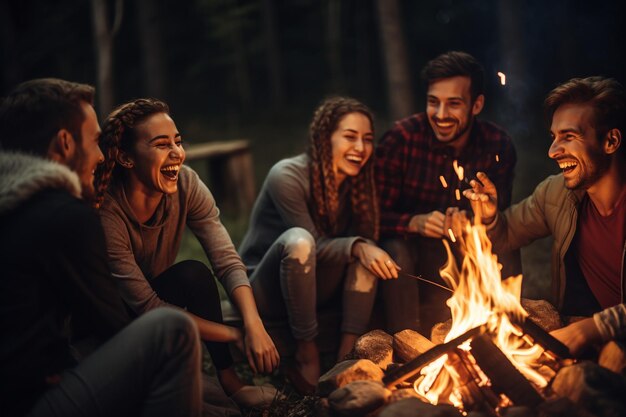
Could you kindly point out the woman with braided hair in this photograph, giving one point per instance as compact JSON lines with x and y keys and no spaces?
{"x":147,"y":198}
{"x":311,"y":234}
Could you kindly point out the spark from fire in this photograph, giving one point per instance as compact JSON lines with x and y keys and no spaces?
{"x":451,"y":234}
{"x":443,"y":181}
{"x":460,"y":172}
{"x":502,"y":77}
{"x":497,"y":158}
{"x":458,"y":194}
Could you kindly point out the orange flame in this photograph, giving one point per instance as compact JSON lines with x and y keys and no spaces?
{"x":480,"y":297}
{"x":443,"y":181}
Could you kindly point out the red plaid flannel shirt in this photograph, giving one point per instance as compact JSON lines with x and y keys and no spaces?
{"x":410,"y":162}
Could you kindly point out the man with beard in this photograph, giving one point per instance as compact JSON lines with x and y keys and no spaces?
{"x":418,"y":172}
{"x":583,"y":208}
{"x":56,"y":287}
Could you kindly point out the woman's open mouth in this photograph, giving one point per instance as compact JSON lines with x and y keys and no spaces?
{"x":171,"y":172}
{"x":354,"y":160}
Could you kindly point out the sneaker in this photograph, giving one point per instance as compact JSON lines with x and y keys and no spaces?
{"x":256,"y":396}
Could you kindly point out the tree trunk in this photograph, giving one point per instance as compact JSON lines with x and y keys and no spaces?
{"x":400,"y":91}
{"x":273,"y":55}
{"x":103,"y":36}
{"x":154,"y":67}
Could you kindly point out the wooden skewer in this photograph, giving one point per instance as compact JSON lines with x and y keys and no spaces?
{"x":426,"y":280}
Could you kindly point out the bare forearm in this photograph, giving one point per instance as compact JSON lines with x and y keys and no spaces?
{"x":215,"y":332}
{"x":244,"y":300}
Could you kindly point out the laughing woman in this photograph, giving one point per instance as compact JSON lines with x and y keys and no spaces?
{"x":311,"y":232}
{"x":148,"y":198}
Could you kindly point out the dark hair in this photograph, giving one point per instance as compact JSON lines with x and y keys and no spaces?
{"x":118,"y":133}
{"x":455,"y":63}
{"x":323,"y":185}
{"x":36,"y":110}
{"x":605,"y":95}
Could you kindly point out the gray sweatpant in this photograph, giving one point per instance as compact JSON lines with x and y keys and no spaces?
{"x":293,"y":279}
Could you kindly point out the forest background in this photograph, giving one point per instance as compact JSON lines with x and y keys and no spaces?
{"x":256,"y":69}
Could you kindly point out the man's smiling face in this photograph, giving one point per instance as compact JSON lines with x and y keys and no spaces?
{"x":450,"y":109}
{"x":576,"y":147}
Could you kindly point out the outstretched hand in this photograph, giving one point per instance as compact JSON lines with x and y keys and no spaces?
{"x":484,"y":198}
{"x":578,"y":336}
{"x":376,"y":260}
{"x":260,"y":350}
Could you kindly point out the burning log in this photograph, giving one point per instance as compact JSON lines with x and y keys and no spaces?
{"x":413,"y":367}
{"x":545,"y":339}
{"x":504,"y":377}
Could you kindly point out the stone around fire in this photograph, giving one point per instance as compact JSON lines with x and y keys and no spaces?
{"x":358,"y":398}
{"x":592,"y":387}
{"x":375,"y":346}
{"x":613,"y":357}
{"x":412,"y":407}
{"x":543,"y":314}
{"x":348,"y":371}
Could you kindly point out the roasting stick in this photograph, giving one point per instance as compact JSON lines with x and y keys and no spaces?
{"x":426,"y":280}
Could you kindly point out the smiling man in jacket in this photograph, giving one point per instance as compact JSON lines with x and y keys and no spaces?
{"x":583,"y":208}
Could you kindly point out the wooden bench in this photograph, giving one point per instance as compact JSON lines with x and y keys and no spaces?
{"x":231,"y":174}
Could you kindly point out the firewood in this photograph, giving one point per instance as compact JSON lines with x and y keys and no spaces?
{"x":409,"y":344}
{"x":504,"y":377}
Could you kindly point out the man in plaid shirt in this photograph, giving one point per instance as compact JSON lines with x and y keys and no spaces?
{"x":421,"y":165}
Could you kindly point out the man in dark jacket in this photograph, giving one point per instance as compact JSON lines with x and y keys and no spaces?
{"x":56,"y":287}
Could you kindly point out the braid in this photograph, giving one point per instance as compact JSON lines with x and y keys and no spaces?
{"x":118,"y":134}
{"x":365,"y":202}
{"x":323,"y":182}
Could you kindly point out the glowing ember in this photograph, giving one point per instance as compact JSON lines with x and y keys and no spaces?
{"x":460,"y":172}
{"x":497,"y":158}
{"x":458,"y":194}
{"x":479,"y":297}
{"x":502,"y":77}
{"x":443,"y":181}
{"x":451,"y":234}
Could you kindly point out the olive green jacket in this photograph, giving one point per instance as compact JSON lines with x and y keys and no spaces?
{"x":551,"y":209}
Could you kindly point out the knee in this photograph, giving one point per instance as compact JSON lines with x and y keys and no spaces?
{"x":171,"y":322}
{"x":193,"y":273}
{"x":298,"y":244}
{"x":360,"y":279}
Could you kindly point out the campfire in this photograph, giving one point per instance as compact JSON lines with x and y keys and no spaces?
{"x":494,"y":357}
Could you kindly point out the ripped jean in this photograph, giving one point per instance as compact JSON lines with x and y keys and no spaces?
{"x":290,"y":281}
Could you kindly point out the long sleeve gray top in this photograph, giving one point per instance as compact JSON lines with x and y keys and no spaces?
{"x":285,"y":202}
{"x":139,"y":252}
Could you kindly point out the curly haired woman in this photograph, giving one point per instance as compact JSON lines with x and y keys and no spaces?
{"x":311,"y":232}
{"x":148,"y":197}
